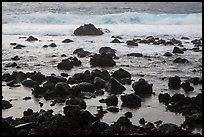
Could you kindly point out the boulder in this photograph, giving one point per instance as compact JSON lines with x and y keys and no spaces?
{"x":131,"y":42}
{"x":186,"y":86}
{"x":110,"y":101}
{"x":128,"y":114}
{"x":76,"y":101}
{"x":19,"y":46}
{"x":99,"y":83}
{"x":67,"y":41}
{"x":164,"y":98}
{"x":142,"y":87}
{"x":85,"y":87}
{"x":175,"y":41}
{"x":181,"y":60}
{"x":177,"y":50}
{"x":135,"y":54}
{"x":131,"y":100}
{"x":87,"y":29}
{"x":83,"y":54}
{"x":103,"y":74}
{"x":29,"y":83}
{"x":168,"y":43}
{"x":120,"y":74}
{"x":62,"y":88}
{"x":102,"y":60}
{"x":168,"y":129}
{"x":174,"y":83}
{"x":53,"y":45}
{"x":115,"y":41}
{"x":114,"y":86}
{"x":28,"y":112}
{"x":167,"y":54}
{"x":67,"y":64}
{"x":78,"y":50}
{"x":107,"y":50}
{"x":31,"y":38}
{"x":6,"y":104}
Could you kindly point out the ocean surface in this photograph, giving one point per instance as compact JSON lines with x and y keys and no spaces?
{"x":56,"y":21}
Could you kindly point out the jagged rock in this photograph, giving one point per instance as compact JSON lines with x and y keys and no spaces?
{"x":177,"y":50}
{"x":114,"y":86}
{"x":174,"y":83}
{"x":131,"y":100}
{"x":142,"y":87}
{"x":87,"y":29}
{"x":120,"y":74}
{"x":102,"y":60}
{"x":31,"y":38}
{"x":186,"y":86}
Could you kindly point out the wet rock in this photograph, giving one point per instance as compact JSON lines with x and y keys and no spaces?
{"x":29,"y":83}
{"x":78,"y":50}
{"x":85,"y":87}
{"x":174,"y":83}
{"x":63,"y":55}
{"x":7,"y":128}
{"x":196,"y":42}
{"x":177,"y":50}
{"x":169,"y":43}
{"x":52,"y":45}
{"x":187,"y":87}
{"x":126,"y":81}
{"x":185,"y":38}
{"x":13,"y":44}
{"x":117,"y":37}
{"x":28,"y":112}
{"x":135,"y":54}
{"x":7,"y":77}
{"x":115,"y":41}
{"x":181,"y":60}
{"x":107,"y":50}
{"x":168,"y":129}
{"x":76,"y":101}
{"x":114,"y":86}
{"x":45,"y":46}
{"x":67,"y":41}
{"x":164,"y":98}
{"x":14,"y":64}
{"x":131,"y":42}
{"x":113,"y":109}
{"x":87,"y":29}
{"x":64,"y":75}
{"x":161,"y":41}
{"x":131,"y":101}
{"x":62,"y":88}
{"x":55,"y":79}
{"x":99,"y":92}
{"x":102,"y":60}
{"x":19,"y":46}
{"x":167,"y":54}
{"x":83,"y":54}
{"x":142,"y":87}
{"x":97,"y":128}
{"x":15,"y":58}
{"x":6,"y":104}
{"x":26,"y":98}
{"x":128,"y":114}
{"x":111,"y":100}
{"x":67,"y":64}
{"x":120,"y":74}
{"x":142,"y":121}
{"x":103,"y":74}
{"x":177,"y":97}
{"x":99,"y":83}
{"x":195,"y":80}
{"x":31,"y":38}
{"x":13,"y":83}
{"x":193,"y":121}
{"x":175,"y":41}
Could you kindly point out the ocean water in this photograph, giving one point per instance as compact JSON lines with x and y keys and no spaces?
{"x":57,"y":21}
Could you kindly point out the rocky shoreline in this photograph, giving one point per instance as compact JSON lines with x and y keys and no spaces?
{"x":72,"y":91}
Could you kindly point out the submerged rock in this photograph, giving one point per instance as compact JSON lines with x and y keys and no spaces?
{"x":87,"y":29}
